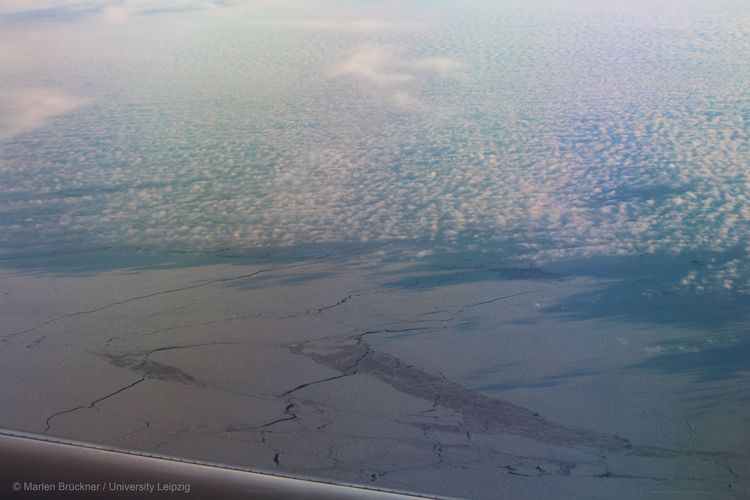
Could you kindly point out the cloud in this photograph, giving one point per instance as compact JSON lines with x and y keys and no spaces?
{"x":358,"y":26}
{"x":26,"y":6}
{"x":373,"y":64}
{"x":22,"y":110}
{"x":125,"y":10}
{"x":405,"y":99}
{"x":383,"y":67}
{"x":115,"y":14}
{"x":440,"y":65}
{"x":105,"y":10}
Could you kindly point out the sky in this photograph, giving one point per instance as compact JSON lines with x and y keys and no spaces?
{"x":549,"y":130}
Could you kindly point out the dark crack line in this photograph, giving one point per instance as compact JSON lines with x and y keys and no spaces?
{"x":353,"y":368}
{"x":496,"y":299}
{"x":452,"y":315}
{"x":162,"y":313}
{"x":434,"y":408}
{"x":142,"y":297}
{"x":187,"y":346}
{"x":148,"y":333}
{"x":460,"y":309}
{"x":330,"y":456}
{"x":92,"y":404}
{"x":320,"y":310}
{"x":138,"y":363}
{"x":342,"y":301}
{"x":308,"y":384}
{"x":361,"y":336}
{"x":290,"y":416}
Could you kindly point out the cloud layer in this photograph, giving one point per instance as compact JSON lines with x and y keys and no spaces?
{"x":547,"y":139}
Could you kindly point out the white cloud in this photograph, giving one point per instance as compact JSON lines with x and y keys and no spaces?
{"x":405,"y":99}
{"x":440,"y":65}
{"x":25,"y":109}
{"x":125,"y":10}
{"x":19,"y":6}
{"x":115,"y":14}
{"x":373,"y":64}
{"x":108,"y":11}
{"x":383,"y":67}
{"x":359,"y":26}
